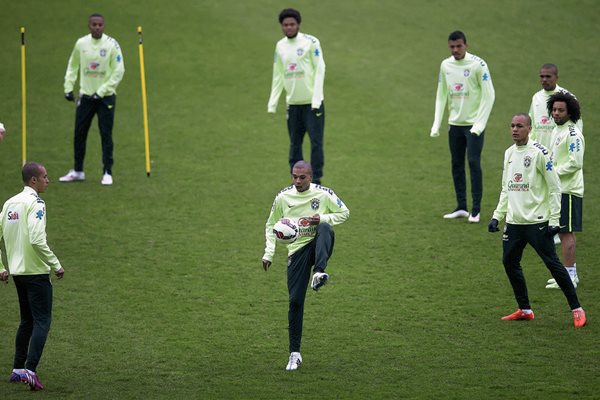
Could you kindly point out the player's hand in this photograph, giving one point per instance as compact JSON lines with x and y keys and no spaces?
{"x":434,"y":134}
{"x":266,"y":264}
{"x":69,"y":96}
{"x":553,"y":230}
{"x":493,"y":226}
{"x":4,"y":276}
{"x":476,"y":133}
{"x":60,"y":273}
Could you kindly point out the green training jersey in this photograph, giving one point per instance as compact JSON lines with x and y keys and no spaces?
{"x":465,"y":86}
{"x":298,"y":67}
{"x":566,"y":154}
{"x":99,"y":63}
{"x":23,"y":226}
{"x":290,"y":203}
{"x":541,"y":122}
{"x":530,"y":187}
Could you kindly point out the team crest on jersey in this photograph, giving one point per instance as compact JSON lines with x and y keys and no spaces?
{"x":102,"y":52}
{"x":300,"y":52}
{"x":314,"y":204}
{"x":467,"y":72}
{"x":527,"y":161}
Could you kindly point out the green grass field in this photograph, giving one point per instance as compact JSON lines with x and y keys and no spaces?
{"x":164,"y":295}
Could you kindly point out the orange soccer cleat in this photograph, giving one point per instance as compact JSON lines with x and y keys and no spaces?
{"x":579,"y":318}
{"x":518,"y":315}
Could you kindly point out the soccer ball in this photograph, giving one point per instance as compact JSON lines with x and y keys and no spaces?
{"x":285,"y":231}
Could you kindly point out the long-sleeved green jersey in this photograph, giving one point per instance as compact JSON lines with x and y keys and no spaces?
{"x":566,"y":154}
{"x":23,"y":226}
{"x":530,"y":187}
{"x":466,"y":87}
{"x":541,"y":122}
{"x":290,"y":203}
{"x":298,"y":67}
{"x":99,"y":63}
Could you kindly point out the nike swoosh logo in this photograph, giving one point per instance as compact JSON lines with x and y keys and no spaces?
{"x":318,"y":114}
{"x":290,"y":205}
{"x":541,"y":228}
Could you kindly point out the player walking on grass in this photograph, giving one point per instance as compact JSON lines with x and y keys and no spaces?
{"x":300,"y":69}
{"x":530,"y":203}
{"x":566,"y":151}
{"x":316,"y":209}
{"x":465,"y":87}
{"x":30,"y":260}
{"x":99,"y":61}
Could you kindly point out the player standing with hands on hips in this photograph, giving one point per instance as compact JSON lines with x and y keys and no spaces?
{"x":98,"y":59}
{"x":465,"y":86}
{"x":300,"y":69}
{"x":316,"y":209}
{"x":530,"y":203}
{"x":30,"y":260}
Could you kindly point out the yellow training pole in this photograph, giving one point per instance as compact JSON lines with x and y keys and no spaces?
{"x":23,"y":96}
{"x":144,"y":101}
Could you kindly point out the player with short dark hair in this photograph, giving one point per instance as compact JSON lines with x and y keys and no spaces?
{"x":530,"y":203}
{"x":299,"y":68}
{"x":566,"y":151}
{"x":98,"y":60}
{"x":315,"y":209}
{"x":30,"y":260}
{"x":465,"y":87}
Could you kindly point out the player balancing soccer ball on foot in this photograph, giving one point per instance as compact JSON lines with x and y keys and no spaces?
{"x":285,"y":230}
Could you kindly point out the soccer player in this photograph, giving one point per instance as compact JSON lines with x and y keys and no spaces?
{"x":30,"y":260}
{"x":300,"y":69}
{"x":316,"y":209}
{"x":542,"y":121}
{"x":530,"y":202}
{"x":465,"y":86}
{"x":99,"y":60}
{"x":566,"y":152}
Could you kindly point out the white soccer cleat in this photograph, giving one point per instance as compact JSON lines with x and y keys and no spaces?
{"x":556,"y":239}
{"x":106,"y":179}
{"x":73,"y":176}
{"x":457,"y":214}
{"x":294,"y":362}
{"x":474,"y":219}
{"x":553,"y":285}
{"x":319,"y":279}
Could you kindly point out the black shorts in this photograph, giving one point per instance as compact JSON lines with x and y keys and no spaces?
{"x":571,"y":213}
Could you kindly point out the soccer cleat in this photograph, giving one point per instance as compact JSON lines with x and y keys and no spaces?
{"x":579,"y":320}
{"x":556,"y":239}
{"x":457,"y":214}
{"x":73,"y":176}
{"x":107,"y":180}
{"x":575,"y":280}
{"x":294,"y":362}
{"x":518,"y":315}
{"x":18,"y":376}
{"x":553,"y":285}
{"x":474,"y":219}
{"x":33,"y":381}
{"x":319,"y":279}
